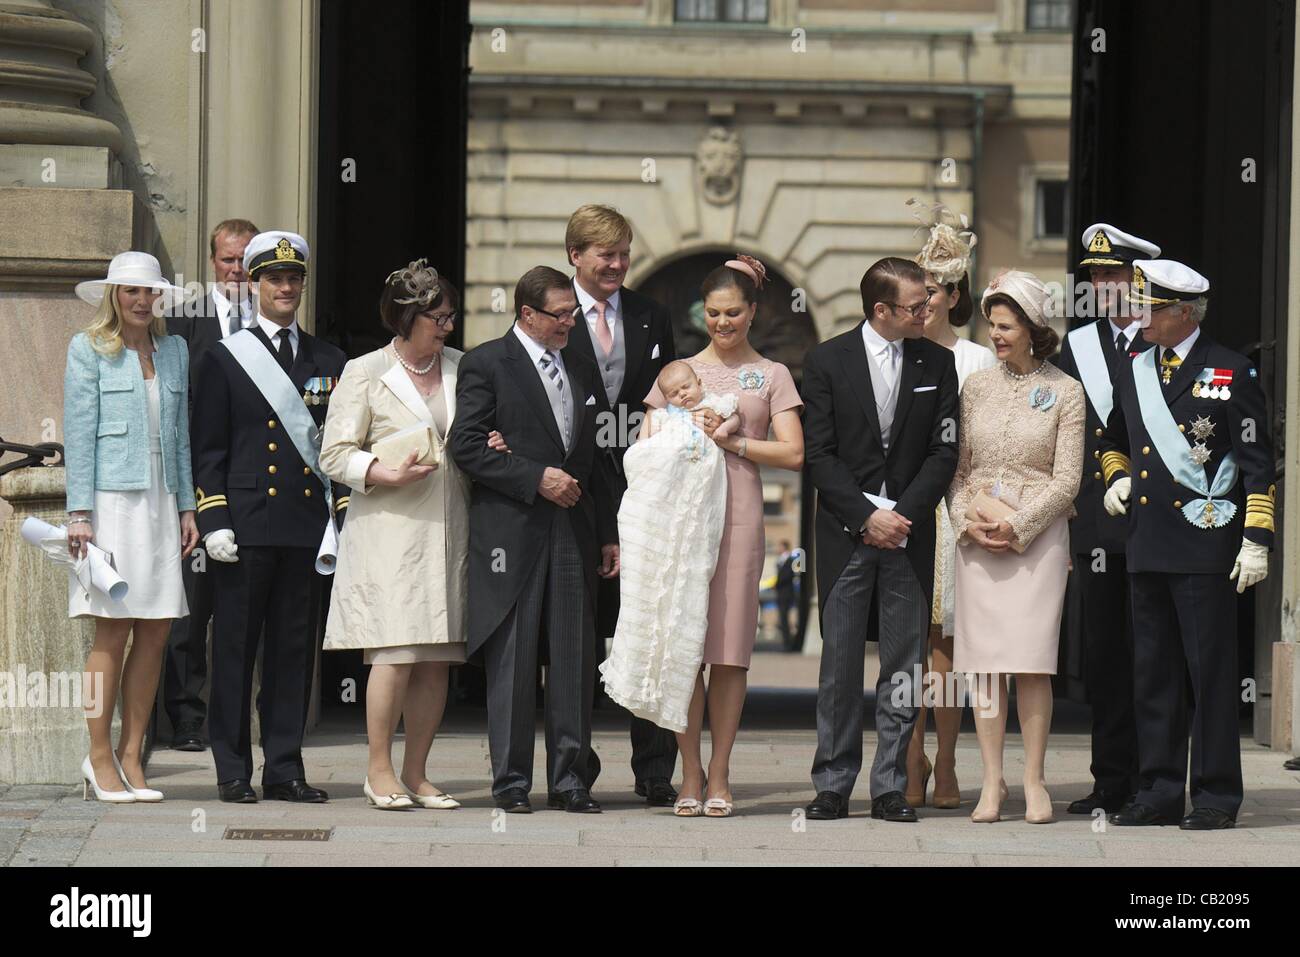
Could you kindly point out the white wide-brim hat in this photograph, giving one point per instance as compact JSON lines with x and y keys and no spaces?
{"x":130,"y":269}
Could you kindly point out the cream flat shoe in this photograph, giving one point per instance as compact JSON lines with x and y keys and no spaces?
{"x":387,"y":802}
{"x":143,"y":795}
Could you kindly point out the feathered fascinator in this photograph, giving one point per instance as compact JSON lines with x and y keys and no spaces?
{"x":750,"y":266}
{"x":946,"y":254}
{"x":420,"y":280}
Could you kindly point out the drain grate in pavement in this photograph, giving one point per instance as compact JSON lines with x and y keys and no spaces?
{"x":277,"y":834}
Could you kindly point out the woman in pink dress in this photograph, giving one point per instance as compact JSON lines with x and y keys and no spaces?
{"x":767,"y":399}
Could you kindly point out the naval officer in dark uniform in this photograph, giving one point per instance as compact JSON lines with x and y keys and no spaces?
{"x":1187,"y":452}
{"x":1093,"y":354}
{"x":261,"y":510}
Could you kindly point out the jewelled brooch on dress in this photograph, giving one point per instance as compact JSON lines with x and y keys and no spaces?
{"x":1042,"y":398}
{"x":751,"y":380}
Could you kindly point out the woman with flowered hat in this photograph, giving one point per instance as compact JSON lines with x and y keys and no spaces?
{"x":1020,"y":455}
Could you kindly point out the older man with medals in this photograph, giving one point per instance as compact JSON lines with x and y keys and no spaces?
{"x":262,"y":504}
{"x":1187,"y":451}
{"x":1093,"y":354}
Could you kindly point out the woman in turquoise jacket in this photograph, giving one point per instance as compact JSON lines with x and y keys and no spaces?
{"x":131,"y":494}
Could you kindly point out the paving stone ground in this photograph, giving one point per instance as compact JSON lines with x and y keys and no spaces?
{"x":42,"y":826}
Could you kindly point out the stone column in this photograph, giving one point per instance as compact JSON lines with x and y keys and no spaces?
{"x":43,"y":733}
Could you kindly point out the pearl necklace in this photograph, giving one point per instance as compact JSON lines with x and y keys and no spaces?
{"x":410,"y":368}
{"x":1021,"y":376}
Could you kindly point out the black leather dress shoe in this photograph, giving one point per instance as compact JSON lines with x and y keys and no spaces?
{"x":1108,"y":801}
{"x":827,"y":806}
{"x":296,"y":790}
{"x":1207,"y":819}
{"x":893,"y":807}
{"x":513,"y":801}
{"x":236,"y":792}
{"x":658,"y":792}
{"x":1292,"y":764}
{"x":577,"y":801}
{"x":187,"y":738}
{"x":1139,"y":815}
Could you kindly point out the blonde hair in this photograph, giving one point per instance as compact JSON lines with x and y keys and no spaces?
{"x":105,"y":330}
{"x":594,"y":225}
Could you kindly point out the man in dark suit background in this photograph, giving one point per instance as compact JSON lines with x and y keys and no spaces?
{"x":880,"y":422}
{"x":224,"y":310}
{"x":785,"y":595}
{"x":542,"y":529}
{"x":1093,"y":354}
{"x":630,"y":339}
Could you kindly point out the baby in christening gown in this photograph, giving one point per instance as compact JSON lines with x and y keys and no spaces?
{"x":670,"y":524}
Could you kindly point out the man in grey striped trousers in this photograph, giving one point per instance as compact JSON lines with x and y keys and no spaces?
{"x":880,"y":438}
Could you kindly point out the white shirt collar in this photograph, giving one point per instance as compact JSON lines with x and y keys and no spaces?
{"x":1129,"y":332}
{"x":271,"y":329}
{"x":588,"y":302}
{"x":1185,"y":346}
{"x":534,"y":348}
{"x":876,"y":343}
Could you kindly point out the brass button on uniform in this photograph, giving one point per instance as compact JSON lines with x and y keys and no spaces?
{"x":1143,"y":473}
{"x":1143,"y":500}
{"x":1146,"y":450}
{"x":271,"y":492}
{"x":1098,"y":433}
{"x":306,"y":470}
{"x":1096,"y":475}
{"x":1177,"y":504}
{"x":307,"y":492}
{"x":1096,"y":454}
{"x":271,"y":469}
{"x":270,"y":423}
{"x":1182,"y":427}
{"x":271,"y":446}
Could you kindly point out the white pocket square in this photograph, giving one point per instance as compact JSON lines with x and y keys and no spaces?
{"x":654,"y":353}
{"x":591,"y":400}
{"x":925,"y":388}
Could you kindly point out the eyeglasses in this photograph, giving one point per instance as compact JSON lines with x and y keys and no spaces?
{"x":577,"y":311}
{"x":917,"y":311}
{"x":445,"y":318}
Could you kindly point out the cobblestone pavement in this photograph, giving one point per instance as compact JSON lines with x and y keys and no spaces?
{"x":53,"y":826}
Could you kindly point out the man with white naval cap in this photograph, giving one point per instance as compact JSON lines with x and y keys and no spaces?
{"x":1187,"y":452}
{"x":1093,"y":354}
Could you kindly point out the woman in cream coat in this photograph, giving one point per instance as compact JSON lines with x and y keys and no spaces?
{"x":400,"y":582}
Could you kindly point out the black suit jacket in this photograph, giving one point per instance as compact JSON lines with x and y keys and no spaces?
{"x":845,"y":457}
{"x":498,"y":388}
{"x":1093,"y":527}
{"x":1160,"y":538}
{"x":248,"y":474}
{"x":198,"y":323}
{"x":647,"y":327}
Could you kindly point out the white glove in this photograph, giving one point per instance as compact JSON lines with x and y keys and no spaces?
{"x":1116,"y":500}
{"x":1251,"y":566}
{"x":221,"y":545}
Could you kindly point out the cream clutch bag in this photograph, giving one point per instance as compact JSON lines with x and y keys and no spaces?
{"x":995,"y":509}
{"x":393,"y":450}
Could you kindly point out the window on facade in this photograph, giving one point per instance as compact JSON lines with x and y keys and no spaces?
{"x":1047,"y":14}
{"x":1049,"y":209}
{"x":726,"y":11}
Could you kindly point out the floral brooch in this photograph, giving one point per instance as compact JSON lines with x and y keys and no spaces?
{"x":1042,"y":398}
{"x":751,"y":380}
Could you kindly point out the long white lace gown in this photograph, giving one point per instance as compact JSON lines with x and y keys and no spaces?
{"x":670,"y":525}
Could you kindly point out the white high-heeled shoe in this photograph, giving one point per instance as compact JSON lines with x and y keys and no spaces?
{"x":143,"y":795}
{"x":386,"y":802}
{"x":108,"y":797}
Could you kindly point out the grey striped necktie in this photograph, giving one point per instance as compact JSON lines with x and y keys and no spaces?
{"x":552,"y":370}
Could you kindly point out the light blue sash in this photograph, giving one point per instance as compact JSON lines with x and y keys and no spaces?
{"x":1210,"y":510}
{"x":1093,"y":373}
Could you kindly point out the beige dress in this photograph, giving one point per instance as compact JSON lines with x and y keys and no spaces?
{"x":1026,"y":437}
{"x":400,"y":584}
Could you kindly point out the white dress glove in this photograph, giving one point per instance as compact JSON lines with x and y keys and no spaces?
{"x":221,"y":545}
{"x":1251,"y":566}
{"x":1116,"y":500}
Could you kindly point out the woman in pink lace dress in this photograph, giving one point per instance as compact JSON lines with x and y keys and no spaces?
{"x":768,"y":400}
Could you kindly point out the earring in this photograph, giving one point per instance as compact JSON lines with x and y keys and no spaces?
{"x":1031,"y":350}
